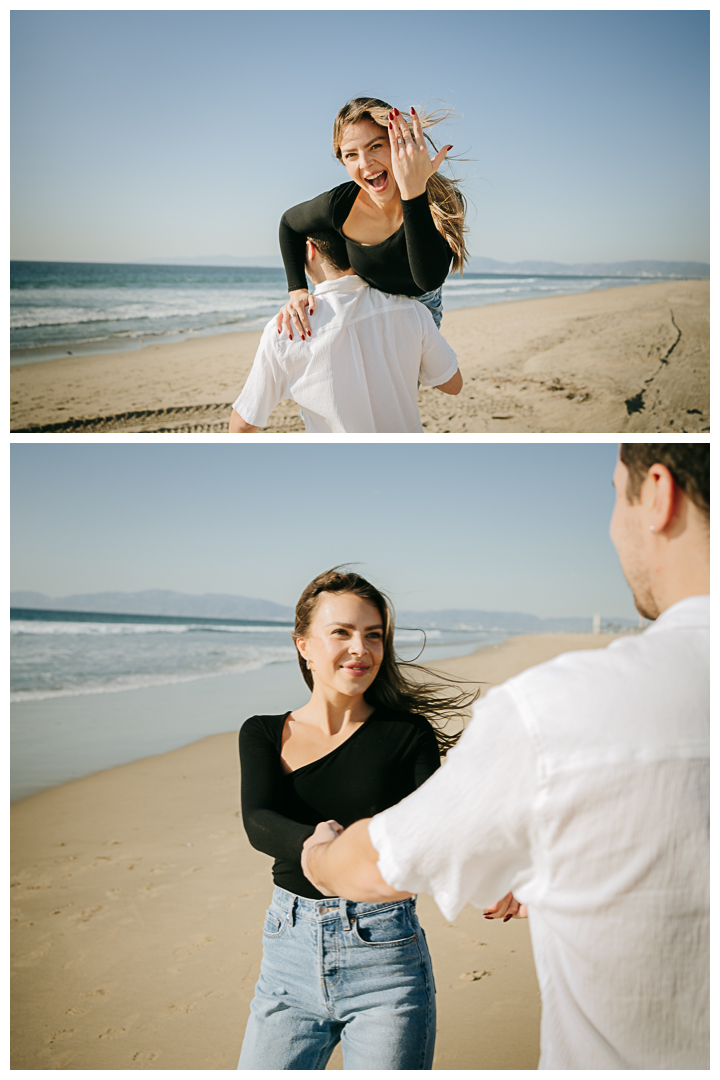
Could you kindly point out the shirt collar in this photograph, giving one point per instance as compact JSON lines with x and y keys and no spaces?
{"x":350,"y":281}
{"x":692,"y":611}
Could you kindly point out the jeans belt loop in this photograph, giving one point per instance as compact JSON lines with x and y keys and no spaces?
{"x":344,"y":914}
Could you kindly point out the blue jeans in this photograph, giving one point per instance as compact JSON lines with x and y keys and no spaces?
{"x":433,"y":302}
{"x":338,"y":971}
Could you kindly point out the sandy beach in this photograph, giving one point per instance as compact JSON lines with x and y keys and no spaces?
{"x":137,"y":909}
{"x":626,"y":359}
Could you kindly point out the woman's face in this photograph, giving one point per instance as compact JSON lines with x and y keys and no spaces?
{"x":344,"y":645}
{"x":365,"y":150}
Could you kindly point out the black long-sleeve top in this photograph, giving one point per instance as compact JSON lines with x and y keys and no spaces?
{"x":413,"y":261}
{"x":384,"y":760}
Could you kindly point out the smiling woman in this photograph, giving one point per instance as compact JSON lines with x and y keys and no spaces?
{"x":403,"y":223}
{"x":361,"y":744}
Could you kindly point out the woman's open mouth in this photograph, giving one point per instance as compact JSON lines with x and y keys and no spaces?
{"x":378,"y":181}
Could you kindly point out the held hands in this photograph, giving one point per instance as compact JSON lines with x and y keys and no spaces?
{"x":325,"y":831}
{"x":294,"y":314}
{"x":507,"y":908}
{"x":412,"y":165}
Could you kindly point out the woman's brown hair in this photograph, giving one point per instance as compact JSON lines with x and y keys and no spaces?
{"x":448,"y":205}
{"x":438,"y":700}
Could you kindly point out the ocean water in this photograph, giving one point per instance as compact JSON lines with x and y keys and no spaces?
{"x":56,"y":654}
{"x":89,"y":692}
{"x":60,"y":308}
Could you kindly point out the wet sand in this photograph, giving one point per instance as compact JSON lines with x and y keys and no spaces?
{"x":626,"y":359}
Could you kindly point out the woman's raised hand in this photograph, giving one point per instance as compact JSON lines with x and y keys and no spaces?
{"x":411,"y":162}
{"x":294,"y":314}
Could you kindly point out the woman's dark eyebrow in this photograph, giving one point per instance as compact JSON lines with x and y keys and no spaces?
{"x":351,"y":626}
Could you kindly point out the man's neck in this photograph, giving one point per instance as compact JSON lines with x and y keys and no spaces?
{"x":327,"y":273}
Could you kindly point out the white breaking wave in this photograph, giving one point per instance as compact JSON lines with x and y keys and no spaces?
{"x":460,"y":283}
{"x":121,"y":683}
{"x":110,"y":305}
{"x":33,"y":626}
{"x":96,"y":629}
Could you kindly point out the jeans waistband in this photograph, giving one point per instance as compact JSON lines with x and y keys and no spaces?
{"x":332,"y":907}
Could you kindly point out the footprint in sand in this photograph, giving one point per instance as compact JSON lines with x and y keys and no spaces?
{"x":86,"y":916}
{"x":59,"y":1036}
{"x":144,"y":1058}
{"x":101,"y":991}
{"x":473,"y":976}
{"x":192,"y":946}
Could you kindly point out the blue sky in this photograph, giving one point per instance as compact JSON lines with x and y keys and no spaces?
{"x":503,"y":527}
{"x":141,"y":134}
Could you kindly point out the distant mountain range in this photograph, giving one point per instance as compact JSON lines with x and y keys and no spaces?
{"x":158,"y":602}
{"x":222,"y":606}
{"x":480,"y":265}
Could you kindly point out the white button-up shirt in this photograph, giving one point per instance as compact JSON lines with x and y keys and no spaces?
{"x":359,"y":370}
{"x":582,"y":785}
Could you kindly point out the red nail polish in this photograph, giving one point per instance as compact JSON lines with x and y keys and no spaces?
{"x":302,"y":336}
{"x":412,"y":110}
{"x":390,"y":126}
{"x":449,"y":149}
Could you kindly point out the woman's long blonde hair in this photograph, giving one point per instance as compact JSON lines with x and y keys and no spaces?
{"x":397,"y":686}
{"x":448,"y":205}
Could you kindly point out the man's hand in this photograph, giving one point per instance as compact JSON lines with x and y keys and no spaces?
{"x":345,"y":864}
{"x":325,"y":832}
{"x":507,"y":908}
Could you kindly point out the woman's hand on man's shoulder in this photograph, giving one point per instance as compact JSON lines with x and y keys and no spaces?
{"x":294,"y":314}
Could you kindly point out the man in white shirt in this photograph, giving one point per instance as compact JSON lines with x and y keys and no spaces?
{"x":582,"y":786}
{"x":359,"y":369}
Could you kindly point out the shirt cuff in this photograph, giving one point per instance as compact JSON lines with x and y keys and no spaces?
{"x":388,"y":868}
{"x":248,"y":414}
{"x":439,"y":380}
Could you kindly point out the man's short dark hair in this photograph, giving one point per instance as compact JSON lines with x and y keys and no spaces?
{"x":332,"y":247}
{"x":689,"y":464}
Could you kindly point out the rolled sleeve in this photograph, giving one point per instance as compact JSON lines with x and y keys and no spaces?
{"x":439,"y":362}
{"x":266,"y":385}
{"x":464,"y":836}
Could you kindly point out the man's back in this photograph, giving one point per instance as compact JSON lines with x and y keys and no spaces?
{"x":582,"y":785}
{"x":359,"y":370}
{"x":618,"y":890}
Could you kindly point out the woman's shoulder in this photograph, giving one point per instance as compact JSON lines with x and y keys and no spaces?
{"x":263,"y":727}
{"x":411,"y":722}
{"x":341,"y":200}
{"x":337,"y":198}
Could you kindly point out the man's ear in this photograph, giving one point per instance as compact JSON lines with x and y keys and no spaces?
{"x":310,"y":250}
